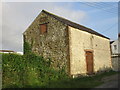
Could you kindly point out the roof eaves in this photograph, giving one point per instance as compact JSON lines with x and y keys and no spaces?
{"x":75,"y":25}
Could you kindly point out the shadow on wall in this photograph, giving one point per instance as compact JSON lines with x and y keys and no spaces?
{"x":116,"y":63}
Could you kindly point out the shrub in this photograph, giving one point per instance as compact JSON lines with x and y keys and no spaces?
{"x":28,"y":70}
{"x":12,"y":67}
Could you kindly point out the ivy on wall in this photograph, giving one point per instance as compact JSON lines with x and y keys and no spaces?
{"x":27,"y":48}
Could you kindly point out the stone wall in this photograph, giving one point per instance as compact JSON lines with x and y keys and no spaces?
{"x":65,"y":45}
{"x":115,"y":50}
{"x":53,"y":44}
{"x":116,"y":63}
{"x":81,"y":41}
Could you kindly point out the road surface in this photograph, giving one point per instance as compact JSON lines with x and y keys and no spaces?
{"x":110,"y":82}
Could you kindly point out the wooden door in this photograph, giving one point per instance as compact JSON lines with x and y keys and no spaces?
{"x":89,"y":62}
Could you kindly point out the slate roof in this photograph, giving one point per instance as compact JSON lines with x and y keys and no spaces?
{"x":111,"y":42}
{"x":75,"y":25}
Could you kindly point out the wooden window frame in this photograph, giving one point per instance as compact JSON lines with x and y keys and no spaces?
{"x":42,"y":32}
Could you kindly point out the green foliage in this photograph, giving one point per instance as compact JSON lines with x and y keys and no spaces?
{"x":80,"y":82}
{"x":28,"y":70}
{"x":27,"y":48}
{"x":12,"y":66}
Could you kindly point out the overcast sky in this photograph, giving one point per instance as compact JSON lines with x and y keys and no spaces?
{"x":17,"y":16}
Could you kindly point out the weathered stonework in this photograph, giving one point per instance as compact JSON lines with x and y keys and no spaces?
{"x":116,"y":63}
{"x":53,"y":44}
{"x":99,"y":45}
{"x":65,"y":43}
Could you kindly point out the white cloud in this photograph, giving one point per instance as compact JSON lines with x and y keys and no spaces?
{"x":18,"y":16}
{"x":76,"y":16}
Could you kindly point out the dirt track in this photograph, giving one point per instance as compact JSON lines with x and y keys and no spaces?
{"x":110,"y":82}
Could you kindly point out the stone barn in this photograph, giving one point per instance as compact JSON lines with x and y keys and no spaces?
{"x":78,"y":49}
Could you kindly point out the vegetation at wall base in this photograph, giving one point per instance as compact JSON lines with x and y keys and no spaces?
{"x":32,"y":71}
{"x":81,"y":82}
{"x":29,"y":70}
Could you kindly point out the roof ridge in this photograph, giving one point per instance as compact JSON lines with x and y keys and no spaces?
{"x":73,"y":24}
{"x":63,"y":18}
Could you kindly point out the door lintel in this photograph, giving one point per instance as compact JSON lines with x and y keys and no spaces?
{"x":90,"y":50}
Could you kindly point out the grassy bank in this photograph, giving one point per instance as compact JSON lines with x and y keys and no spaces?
{"x":22,"y":71}
{"x":31,"y":71}
{"x":81,"y":82}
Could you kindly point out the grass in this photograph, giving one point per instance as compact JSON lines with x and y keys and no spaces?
{"x":80,"y":82}
{"x":31,"y":71}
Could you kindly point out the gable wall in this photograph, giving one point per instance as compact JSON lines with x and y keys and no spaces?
{"x":117,"y":43}
{"x":53,"y":44}
{"x":80,"y":41}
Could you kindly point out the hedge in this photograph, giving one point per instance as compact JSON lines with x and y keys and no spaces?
{"x":30,"y":70}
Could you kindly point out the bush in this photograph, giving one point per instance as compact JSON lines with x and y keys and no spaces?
{"x":28,"y":70}
{"x":12,"y":65}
